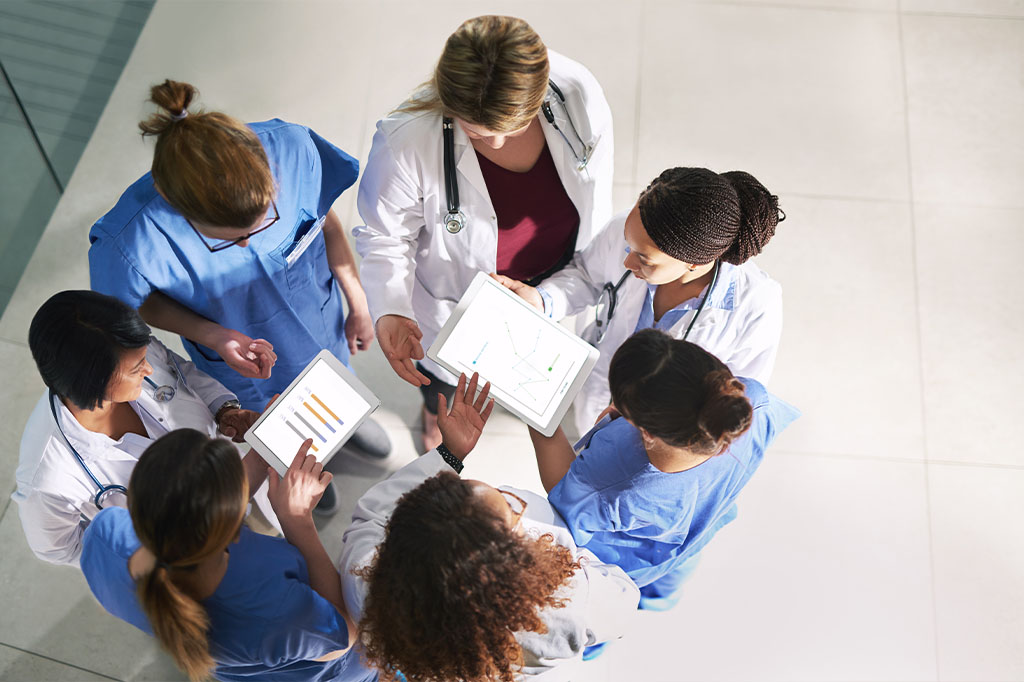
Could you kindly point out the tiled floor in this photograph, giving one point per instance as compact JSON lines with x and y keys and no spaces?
{"x":881,"y":540}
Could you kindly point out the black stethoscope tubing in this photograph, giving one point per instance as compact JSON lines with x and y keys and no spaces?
{"x":613,"y":298}
{"x":455,"y":219}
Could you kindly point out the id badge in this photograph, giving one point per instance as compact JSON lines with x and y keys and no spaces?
{"x":307,"y":239}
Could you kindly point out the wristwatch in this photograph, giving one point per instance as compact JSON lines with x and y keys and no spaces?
{"x":232,"y":404}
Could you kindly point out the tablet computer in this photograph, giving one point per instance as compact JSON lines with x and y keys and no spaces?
{"x":535,"y":366}
{"x":326,"y":402}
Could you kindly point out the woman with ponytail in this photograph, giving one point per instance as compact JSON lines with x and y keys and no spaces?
{"x":230,"y":241}
{"x":650,"y":488}
{"x":222,"y":600}
{"x":679,"y":261}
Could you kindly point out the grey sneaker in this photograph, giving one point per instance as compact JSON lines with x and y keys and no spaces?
{"x":371,"y":439}
{"x":328,"y":504}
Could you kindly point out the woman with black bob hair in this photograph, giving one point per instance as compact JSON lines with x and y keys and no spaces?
{"x":454,"y":579}
{"x":678,"y":261}
{"x":651,"y":487}
{"x":219,"y":598}
{"x":112,"y":389}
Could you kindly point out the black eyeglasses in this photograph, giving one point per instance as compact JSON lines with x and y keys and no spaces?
{"x":228,"y":243}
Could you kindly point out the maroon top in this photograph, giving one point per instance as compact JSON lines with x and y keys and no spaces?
{"x":537,"y":221}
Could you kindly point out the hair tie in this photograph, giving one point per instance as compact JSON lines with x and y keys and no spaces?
{"x":164,"y":565}
{"x":180,"y":115}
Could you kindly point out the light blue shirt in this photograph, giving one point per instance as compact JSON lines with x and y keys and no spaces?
{"x":266,"y":622}
{"x":265,"y":290}
{"x":629,"y":513}
{"x":722,"y":298}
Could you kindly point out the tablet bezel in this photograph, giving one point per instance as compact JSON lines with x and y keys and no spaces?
{"x":482,"y":280}
{"x":347,"y":376}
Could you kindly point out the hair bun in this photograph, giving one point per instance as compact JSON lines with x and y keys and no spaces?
{"x":173,"y":97}
{"x":759,"y":215}
{"x":726,"y":412}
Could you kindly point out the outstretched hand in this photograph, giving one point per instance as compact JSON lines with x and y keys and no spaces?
{"x":251,"y":358}
{"x":399,"y":338}
{"x":461,"y":427}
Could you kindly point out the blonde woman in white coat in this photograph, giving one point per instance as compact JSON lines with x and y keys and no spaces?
{"x":529,"y":134}
{"x":679,"y":261}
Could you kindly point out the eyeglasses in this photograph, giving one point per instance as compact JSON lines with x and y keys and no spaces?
{"x":516,"y":504}
{"x":228,"y":243}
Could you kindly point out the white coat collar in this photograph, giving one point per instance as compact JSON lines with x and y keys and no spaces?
{"x":90,"y":445}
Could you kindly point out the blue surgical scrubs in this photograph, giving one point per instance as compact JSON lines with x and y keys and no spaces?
{"x":723,"y":297}
{"x":650,"y":523}
{"x":279,"y":288}
{"x":266,"y":621}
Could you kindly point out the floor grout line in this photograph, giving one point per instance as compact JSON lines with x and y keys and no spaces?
{"x":920,"y":336}
{"x":57,"y":660}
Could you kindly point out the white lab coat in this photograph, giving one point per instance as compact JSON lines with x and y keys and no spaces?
{"x":411,"y":265}
{"x":55,"y":495}
{"x":740,"y":325}
{"x":601,"y":599}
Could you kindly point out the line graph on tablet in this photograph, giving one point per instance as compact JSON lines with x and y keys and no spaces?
{"x":527,"y":360}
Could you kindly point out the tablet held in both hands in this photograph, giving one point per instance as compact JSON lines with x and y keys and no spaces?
{"x":535,"y":366}
{"x":326,"y":402}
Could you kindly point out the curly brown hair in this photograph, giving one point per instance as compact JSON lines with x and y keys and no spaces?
{"x":451,"y":585}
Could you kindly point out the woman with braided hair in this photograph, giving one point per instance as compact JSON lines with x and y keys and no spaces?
{"x":687,"y":242}
{"x":651,"y":487}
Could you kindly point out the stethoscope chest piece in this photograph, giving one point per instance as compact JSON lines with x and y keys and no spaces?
{"x":162,"y":394}
{"x":454,"y":222}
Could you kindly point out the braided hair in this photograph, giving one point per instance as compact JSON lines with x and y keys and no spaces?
{"x":698,"y":216}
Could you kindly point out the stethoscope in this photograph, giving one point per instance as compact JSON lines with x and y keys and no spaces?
{"x":611,"y":293}
{"x":455,"y":219}
{"x":161,"y":394}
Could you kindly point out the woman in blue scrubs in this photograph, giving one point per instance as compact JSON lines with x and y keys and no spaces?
{"x":653,"y":486}
{"x":230,"y":241}
{"x":221,"y":599}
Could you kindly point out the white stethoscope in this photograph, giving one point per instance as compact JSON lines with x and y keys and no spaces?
{"x":161,"y":394}
{"x":455,"y":219}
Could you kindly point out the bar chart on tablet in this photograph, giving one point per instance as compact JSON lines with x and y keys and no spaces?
{"x":321,"y":407}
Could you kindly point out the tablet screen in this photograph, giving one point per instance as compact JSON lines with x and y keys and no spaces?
{"x":321,"y":405}
{"x":531,"y":361}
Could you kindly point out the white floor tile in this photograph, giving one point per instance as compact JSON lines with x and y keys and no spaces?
{"x":22,"y":388}
{"x":965,"y":109}
{"x":20,"y":665}
{"x":972,"y":331}
{"x":847,"y":5}
{"x":806,"y":100}
{"x":849,"y":353}
{"x":979,"y":571}
{"x":993,"y":8}
{"x":823,"y":576}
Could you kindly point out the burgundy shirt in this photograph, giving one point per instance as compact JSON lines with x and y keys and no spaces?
{"x":537,"y":221}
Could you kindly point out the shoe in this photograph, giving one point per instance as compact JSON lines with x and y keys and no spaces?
{"x":659,"y":603}
{"x":328,"y":504}
{"x":431,"y":432}
{"x":592,"y":652}
{"x":371,"y":439}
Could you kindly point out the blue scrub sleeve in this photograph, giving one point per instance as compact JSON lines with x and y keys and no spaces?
{"x":584,"y":509}
{"x":112,"y":274}
{"x":307,"y":627}
{"x":339,"y":171}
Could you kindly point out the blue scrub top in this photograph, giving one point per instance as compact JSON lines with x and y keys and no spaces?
{"x":144,"y":245}
{"x":629,"y":513}
{"x":266,"y":622}
{"x":723,"y":297}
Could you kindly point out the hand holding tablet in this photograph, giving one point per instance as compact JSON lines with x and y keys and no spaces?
{"x":535,"y":366}
{"x":325,"y":403}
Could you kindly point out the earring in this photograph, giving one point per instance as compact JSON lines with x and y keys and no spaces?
{"x":692,"y":268}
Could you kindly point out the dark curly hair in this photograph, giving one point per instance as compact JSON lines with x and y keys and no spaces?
{"x":451,"y":585}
